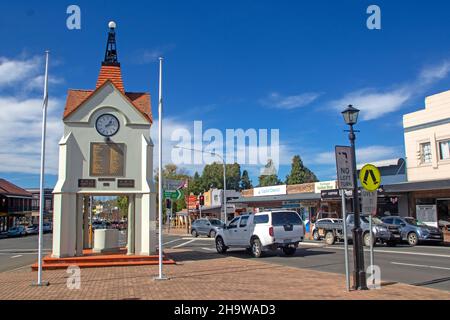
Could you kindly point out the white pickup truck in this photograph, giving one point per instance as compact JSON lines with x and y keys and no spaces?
{"x":262,"y":231}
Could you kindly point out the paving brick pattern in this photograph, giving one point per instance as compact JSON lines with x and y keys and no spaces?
{"x":216,"y":278}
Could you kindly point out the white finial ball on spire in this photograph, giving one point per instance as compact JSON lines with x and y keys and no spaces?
{"x":112,"y":25}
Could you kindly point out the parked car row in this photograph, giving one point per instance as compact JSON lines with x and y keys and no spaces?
{"x":21,"y":231}
{"x":389,"y":230}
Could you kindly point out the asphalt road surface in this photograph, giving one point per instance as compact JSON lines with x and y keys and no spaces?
{"x":423,"y":265}
{"x":20,"y":253}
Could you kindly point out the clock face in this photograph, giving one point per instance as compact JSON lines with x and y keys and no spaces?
{"x":107,"y":125}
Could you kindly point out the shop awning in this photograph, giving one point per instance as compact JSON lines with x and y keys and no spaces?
{"x":417,"y":186}
{"x":284,"y":197}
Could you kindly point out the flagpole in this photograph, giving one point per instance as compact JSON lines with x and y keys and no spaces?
{"x":42,"y":178}
{"x":160,"y":177}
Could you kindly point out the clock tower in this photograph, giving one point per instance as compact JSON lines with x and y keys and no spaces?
{"x":106,"y":150}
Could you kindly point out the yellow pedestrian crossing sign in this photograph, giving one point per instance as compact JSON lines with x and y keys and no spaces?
{"x":370,"y":177}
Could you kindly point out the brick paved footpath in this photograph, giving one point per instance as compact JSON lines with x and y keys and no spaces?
{"x":218,"y":278}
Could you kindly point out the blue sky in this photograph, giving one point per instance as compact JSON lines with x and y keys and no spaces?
{"x":287,"y":65}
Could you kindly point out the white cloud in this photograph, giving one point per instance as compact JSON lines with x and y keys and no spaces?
{"x":376,"y":103}
{"x":13,"y":71}
{"x":363,"y":155}
{"x":276,"y":100}
{"x":152,"y":55}
{"x":20,"y":135}
{"x":21,"y":118}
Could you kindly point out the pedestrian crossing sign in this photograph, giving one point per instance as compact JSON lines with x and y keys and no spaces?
{"x":370,"y":177}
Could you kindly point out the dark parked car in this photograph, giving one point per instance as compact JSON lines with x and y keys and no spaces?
{"x":414,"y":231}
{"x":207,"y":227}
{"x":17,"y":231}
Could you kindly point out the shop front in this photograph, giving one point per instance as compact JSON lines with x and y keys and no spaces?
{"x":427,"y":201}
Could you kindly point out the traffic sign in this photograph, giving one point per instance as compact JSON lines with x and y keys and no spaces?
{"x":344,"y":166}
{"x":369,"y":201}
{"x":173,"y":194}
{"x":370,"y":177}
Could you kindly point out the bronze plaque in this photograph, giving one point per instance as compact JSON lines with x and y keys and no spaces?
{"x":86,"y":183}
{"x":107,"y":159}
{"x":125,"y":183}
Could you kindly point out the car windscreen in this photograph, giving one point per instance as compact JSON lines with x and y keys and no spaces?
{"x":216,"y":222}
{"x":282,"y":218}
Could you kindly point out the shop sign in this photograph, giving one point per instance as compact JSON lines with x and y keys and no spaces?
{"x":427,"y":214}
{"x":270,"y":191}
{"x":324,"y":185}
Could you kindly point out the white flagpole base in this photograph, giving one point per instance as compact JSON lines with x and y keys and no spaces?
{"x":161,"y":278}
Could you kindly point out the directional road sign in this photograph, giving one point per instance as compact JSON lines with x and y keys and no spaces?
{"x":173,"y":194}
{"x":344,"y":166}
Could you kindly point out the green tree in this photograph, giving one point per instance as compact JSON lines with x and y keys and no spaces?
{"x":299,"y":173}
{"x":122,"y":204}
{"x":270,"y":180}
{"x":246,"y":183}
{"x":212,"y":176}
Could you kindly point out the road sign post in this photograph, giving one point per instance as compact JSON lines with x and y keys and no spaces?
{"x":344,"y":166}
{"x":370,"y":178}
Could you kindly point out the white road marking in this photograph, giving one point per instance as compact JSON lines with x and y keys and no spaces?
{"x":311,"y":244}
{"x":207,"y":239}
{"x":398,"y":252}
{"x":20,"y":250}
{"x":183,"y":244}
{"x":172,"y":241}
{"x":18,"y":256}
{"x":420,"y":265}
{"x":209,"y":249}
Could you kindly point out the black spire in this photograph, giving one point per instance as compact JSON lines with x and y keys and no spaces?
{"x":111,"y":48}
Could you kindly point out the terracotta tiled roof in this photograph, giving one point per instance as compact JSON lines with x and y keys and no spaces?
{"x":141,"y":101}
{"x":112,"y":73}
{"x":7,"y":188}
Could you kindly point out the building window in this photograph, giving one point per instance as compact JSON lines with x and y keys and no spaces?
{"x":444,"y":150}
{"x":425,"y":152}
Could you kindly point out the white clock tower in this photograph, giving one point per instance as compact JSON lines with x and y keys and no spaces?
{"x":106,"y":150}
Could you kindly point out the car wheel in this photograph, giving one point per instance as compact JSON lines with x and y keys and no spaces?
{"x":413,"y":240}
{"x":366,"y":239}
{"x":256,"y":248}
{"x":194,"y":233}
{"x":329,"y":238}
{"x":289,"y":251}
{"x":316,"y":236}
{"x":220,"y":245}
{"x":212,"y":234}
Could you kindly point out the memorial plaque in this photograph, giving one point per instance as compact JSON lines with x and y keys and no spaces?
{"x":125,"y":183}
{"x":86,"y":183}
{"x":107,"y":159}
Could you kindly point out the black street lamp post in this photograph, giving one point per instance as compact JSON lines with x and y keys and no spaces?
{"x":359,"y":276}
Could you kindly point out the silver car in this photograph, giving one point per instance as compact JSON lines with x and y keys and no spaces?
{"x":206,"y":227}
{"x":414,"y":231}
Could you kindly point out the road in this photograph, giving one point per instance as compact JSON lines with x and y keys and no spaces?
{"x":18,"y":253}
{"x":427,"y":266}
{"x":423,"y":265}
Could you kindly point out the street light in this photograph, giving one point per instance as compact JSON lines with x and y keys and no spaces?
{"x":359,"y":276}
{"x":224,"y":177}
